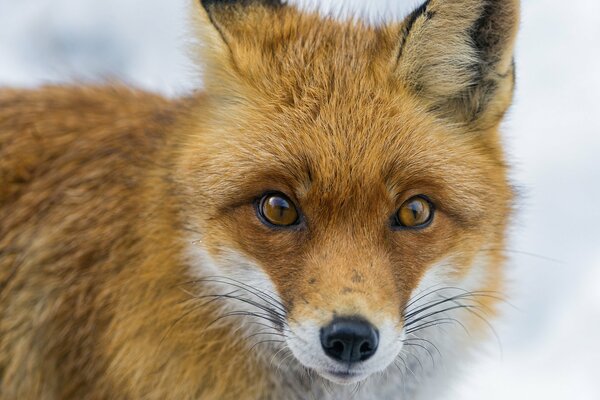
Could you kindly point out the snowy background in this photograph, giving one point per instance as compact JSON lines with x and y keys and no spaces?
{"x":551,"y":339}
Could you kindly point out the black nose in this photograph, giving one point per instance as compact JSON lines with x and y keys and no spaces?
{"x":349,"y":339}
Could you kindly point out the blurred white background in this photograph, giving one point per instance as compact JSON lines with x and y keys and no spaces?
{"x":551,"y":339}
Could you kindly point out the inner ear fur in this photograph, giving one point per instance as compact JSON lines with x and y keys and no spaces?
{"x":232,"y":18}
{"x":458,"y":55}
{"x":228,"y":30}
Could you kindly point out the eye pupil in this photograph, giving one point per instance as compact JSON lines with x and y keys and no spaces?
{"x":278,"y":210}
{"x":417,"y":212}
{"x":279,"y":205}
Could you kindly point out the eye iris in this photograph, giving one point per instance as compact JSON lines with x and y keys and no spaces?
{"x":415,"y":212}
{"x":279,"y":211}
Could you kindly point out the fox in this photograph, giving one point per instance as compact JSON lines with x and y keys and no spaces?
{"x":326,"y":218}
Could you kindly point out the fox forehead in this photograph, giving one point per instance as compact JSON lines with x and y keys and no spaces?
{"x":291,"y":54}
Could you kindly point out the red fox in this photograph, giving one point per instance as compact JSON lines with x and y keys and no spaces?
{"x":325,"y":220}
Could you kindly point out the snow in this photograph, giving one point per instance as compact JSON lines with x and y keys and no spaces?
{"x":550,"y":339}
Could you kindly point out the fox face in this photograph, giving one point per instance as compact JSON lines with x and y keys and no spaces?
{"x":339,"y":176}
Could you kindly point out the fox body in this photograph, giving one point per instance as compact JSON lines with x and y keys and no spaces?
{"x":325,"y":220}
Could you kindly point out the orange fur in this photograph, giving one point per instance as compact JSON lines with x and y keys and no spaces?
{"x":101,"y":190}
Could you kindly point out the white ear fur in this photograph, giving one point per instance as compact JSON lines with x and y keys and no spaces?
{"x":212,"y":50}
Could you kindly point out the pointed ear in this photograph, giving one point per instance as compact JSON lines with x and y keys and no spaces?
{"x":458,"y":55}
{"x":227,"y":30}
{"x":231,"y":17}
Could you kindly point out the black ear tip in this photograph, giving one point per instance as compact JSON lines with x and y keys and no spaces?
{"x":207,"y":3}
{"x":272,"y":3}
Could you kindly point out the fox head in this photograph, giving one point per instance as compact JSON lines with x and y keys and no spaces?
{"x":336,"y":173}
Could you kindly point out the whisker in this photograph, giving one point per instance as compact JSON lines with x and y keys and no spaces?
{"x":528,"y":254}
{"x":277,"y":354}
{"x":183,"y":316}
{"x":402,"y":373}
{"x":407,"y":367}
{"x":433,"y":313}
{"x":266,"y":317}
{"x":280,"y":318}
{"x":263,"y":332}
{"x":266,"y":293}
{"x":266,"y":341}
{"x":436,"y":322}
{"x":414,"y":356}
{"x":435,"y":303}
{"x":422,"y":296}
{"x":240,"y":285}
{"x":426,"y":341}
{"x":491,"y":327}
{"x":424,"y":348}
{"x":473,"y":312}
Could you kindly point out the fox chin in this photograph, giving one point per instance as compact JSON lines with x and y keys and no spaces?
{"x":326,"y":219}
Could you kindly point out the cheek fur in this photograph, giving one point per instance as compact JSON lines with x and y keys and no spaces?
{"x":237,"y":284}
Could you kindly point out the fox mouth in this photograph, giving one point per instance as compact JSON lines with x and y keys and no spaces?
{"x":343,"y":377}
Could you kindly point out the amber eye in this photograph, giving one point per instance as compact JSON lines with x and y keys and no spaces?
{"x":416,"y":212}
{"x":278,"y":210}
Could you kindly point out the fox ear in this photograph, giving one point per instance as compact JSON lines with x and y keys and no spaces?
{"x":227,"y":30}
{"x":458,"y":55}
{"x":235,"y":21}
{"x":230,"y":17}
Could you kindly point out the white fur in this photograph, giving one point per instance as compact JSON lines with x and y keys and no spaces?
{"x":305,"y":343}
{"x":219,"y":277}
{"x":395,"y":372}
{"x":453,"y":341}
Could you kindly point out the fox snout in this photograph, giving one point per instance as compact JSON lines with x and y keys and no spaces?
{"x":346,"y":322}
{"x":347,"y":348}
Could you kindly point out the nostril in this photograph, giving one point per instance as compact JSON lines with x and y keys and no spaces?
{"x":337,"y":347}
{"x":365,"y":347}
{"x":349,"y":339}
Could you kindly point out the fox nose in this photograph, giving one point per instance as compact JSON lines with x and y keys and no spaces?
{"x":349,"y":339}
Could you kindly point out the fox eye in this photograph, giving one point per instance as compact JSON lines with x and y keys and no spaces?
{"x":417,"y":212}
{"x":277,"y":209}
